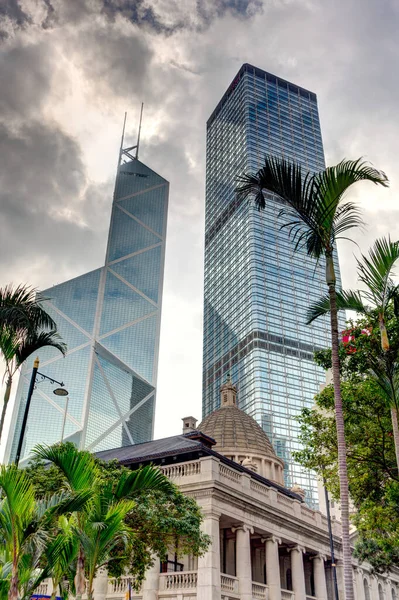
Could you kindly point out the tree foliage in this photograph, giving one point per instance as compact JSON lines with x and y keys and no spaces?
{"x":160,"y":517}
{"x":372,"y":469}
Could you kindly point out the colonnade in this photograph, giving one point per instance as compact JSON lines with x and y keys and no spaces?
{"x":209,"y":568}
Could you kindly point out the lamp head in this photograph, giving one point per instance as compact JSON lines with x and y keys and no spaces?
{"x":60,"y":391}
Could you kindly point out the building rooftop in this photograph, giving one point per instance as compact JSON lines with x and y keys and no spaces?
{"x":246,"y":67}
{"x":234,"y":430}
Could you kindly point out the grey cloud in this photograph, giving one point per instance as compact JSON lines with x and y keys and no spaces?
{"x":47,"y":203}
{"x":208,"y":11}
{"x":12,"y":13}
{"x":26,"y":71}
{"x":114,"y":59}
{"x":197,"y":15}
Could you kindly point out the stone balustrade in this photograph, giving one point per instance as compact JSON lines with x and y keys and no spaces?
{"x":42,"y":589}
{"x":259,"y":591}
{"x":230,"y":474}
{"x":287,"y":595}
{"x":285,"y":501}
{"x":119,"y":586}
{"x":209,"y":468}
{"x":182,"y":470}
{"x":184,"y":580}
{"x":259,"y":488}
{"x":308,"y":513}
{"x":228,"y":583}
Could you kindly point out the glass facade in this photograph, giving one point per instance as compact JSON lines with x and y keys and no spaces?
{"x":257,"y":289}
{"x":110,"y":321}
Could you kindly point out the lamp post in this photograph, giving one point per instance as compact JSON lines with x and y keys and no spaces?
{"x":61,"y":391}
{"x":65,"y":413}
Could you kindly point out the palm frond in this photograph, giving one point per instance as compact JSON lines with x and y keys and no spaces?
{"x":347,"y":216}
{"x":144,"y":479}
{"x":9,"y":343}
{"x":78,"y":466}
{"x":376,"y":270}
{"x":333,"y":182}
{"x":21,"y":307}
{"x":63,"y":503}
{"x":313,"y":210}
{"x":18,"y":494}
{"x":62,"y":551}
{"x":346,"y":300}
{"x":36,"y":340}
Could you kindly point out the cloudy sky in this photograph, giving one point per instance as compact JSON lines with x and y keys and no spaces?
{"x":70,"y":68}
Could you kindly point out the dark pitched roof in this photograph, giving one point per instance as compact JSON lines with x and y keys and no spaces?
{"x":146,"y":451}
{"x":163,"y":451}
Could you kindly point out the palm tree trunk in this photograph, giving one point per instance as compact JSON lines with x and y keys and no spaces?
{"x":80,"y":581}
{"x":339,"y":420}
{"x":5,"y":404}
{"x":14,"y":583}
{"x":383,"y":333}
{"x":394,"y":417}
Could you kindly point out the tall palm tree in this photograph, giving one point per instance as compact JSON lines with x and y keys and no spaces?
{"x":25,"y":327}
{"x":317,"y":214}
{"x":101,"y":525}
{"x":25,"y":527}
{"x":375,"y":271}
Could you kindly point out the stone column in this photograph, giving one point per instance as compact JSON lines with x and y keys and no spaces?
{"x":208,"y":578}
{"x":151,"y":581}
{"x":374,"y":587}
{"x":273,"y":567}
{"x":243,"y":561}
{"x":319,"y":576}
{"x":358,"y":583}
{"x":339,"y":569}
{"x":100,"y":584}
{"x":298,"y":575}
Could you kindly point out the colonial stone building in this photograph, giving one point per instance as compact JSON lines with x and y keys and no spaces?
{"x":266,"y":543}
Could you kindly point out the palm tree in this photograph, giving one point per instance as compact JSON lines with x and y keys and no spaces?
{"x":61,"y":552}
{"x":25,"y":327}
{"x":318,"y":214}
{"x":101,"y":526}
{"x":375,"y":272}
{"x":26,"y":525}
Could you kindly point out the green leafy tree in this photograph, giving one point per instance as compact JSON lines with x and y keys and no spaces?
{"x":131,"y":516}
{"x":25,"y":328}
{"x":317,"y":213}
{"x":380,"y":293}
{"x":372,"y":472}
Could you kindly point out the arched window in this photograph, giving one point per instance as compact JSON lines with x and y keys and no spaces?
{"x":366,"y":589}
{"x":380,"y":592}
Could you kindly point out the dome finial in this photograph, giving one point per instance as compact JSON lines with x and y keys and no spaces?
{"x":228,"y":393}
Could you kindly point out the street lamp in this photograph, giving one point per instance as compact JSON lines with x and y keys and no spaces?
{"x":61,"y":391}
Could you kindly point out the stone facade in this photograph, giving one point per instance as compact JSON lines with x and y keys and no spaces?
{"x":266,"y":543}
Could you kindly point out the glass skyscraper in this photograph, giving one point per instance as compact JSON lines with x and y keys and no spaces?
{"x":257,"y":289}
{"x":110,"y":321}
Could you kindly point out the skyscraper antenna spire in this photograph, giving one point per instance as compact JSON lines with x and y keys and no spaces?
{"x":138,"y":135}
{"x":127,"y":151}
{"x":122,"y":140}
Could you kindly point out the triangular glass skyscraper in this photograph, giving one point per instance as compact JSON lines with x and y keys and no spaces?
{"x":110,"y":321}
